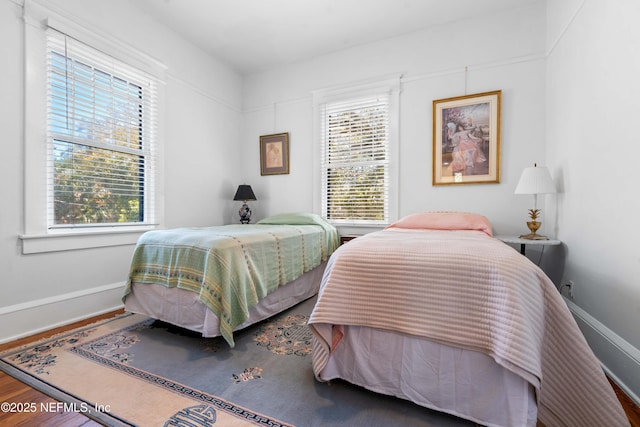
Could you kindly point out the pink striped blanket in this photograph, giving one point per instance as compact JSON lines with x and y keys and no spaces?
{"x":466,"y":289}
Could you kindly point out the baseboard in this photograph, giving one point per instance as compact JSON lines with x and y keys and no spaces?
{"x":26,"y":319}
{"x":619,"y":359}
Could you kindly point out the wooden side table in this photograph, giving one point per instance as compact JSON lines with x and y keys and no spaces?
{"x":344,"y":239}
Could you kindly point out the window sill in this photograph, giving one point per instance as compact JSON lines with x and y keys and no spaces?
{"x":357,"y":229}
{"x":42,"y":243}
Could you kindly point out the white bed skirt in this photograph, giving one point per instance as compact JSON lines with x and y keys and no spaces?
{"x":463,"y":383}
{"x":183,"y":308}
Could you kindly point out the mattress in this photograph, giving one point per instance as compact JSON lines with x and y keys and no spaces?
{"x":183,"y":308}
{"x":460,"y":382}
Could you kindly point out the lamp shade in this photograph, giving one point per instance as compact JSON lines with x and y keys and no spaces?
{"x":535,"y":180}
{"x":244,"y":193}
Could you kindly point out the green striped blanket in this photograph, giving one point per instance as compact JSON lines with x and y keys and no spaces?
{"x":231,"y":267}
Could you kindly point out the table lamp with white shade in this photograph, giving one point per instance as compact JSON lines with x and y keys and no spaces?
{"x":535,"y":180}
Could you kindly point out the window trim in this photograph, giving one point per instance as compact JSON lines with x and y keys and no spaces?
{"x":391,"y":86}
{"x":36,"y":236}
{"x":84,"y":85}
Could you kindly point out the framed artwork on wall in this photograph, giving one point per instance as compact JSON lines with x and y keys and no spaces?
{"x":274,"y":154}
{"x":466,"y":139}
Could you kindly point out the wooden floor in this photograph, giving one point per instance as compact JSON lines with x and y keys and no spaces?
{"x":16,"y":392}
{"x":632,"y":410}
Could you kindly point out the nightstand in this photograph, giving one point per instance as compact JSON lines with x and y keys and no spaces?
{"x":344,"y":239}
{"x":524,"y":242}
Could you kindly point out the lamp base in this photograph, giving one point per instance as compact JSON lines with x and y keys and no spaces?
{"x":245,"y":214}
{"x":533,"y":236}
{"x":533,"y":227}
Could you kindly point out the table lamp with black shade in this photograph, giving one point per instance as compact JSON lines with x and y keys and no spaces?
{"x":244,"y":193}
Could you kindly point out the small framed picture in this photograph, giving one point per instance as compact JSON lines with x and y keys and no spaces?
{"x":274,"y":154}
{"x":466,"y":139}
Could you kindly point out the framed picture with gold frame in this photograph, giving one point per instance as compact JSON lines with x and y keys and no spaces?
{"x":466,"y":139}
{"x":274,"y":154}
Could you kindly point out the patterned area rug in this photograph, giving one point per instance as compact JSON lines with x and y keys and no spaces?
{"x":132,"y":370}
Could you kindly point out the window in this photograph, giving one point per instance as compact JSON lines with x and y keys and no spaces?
{"x":357,"y":148}
{"x":92,"y":136}
{"x":101,"y":120}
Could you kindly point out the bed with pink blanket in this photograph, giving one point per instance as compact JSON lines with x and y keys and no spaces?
{"x":433,"y":309}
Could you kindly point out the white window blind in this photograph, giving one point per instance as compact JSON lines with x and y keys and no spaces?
{"x":101,"y":130}
{"x":355,"y":160}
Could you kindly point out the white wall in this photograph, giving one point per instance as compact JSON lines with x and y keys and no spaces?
{"x":201,"y":127}
{"x":592,"y":147}
{"x":503,"y":51}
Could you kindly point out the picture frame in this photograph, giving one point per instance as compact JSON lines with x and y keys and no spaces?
{"x":466,"y":139}
{"x":274,"y":154}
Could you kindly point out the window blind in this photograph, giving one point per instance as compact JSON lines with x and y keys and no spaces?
{"x":355,"y":160}
{"x":101,"y":122}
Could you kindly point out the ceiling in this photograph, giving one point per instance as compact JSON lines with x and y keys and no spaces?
{"x":254,"y":35}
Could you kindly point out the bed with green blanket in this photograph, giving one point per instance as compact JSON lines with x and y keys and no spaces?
{"x":215,"y":280}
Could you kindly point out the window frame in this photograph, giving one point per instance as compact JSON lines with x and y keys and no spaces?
{"x":36,"y":235}
{"x":83,"y":87}
{"x":389,"y":86}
